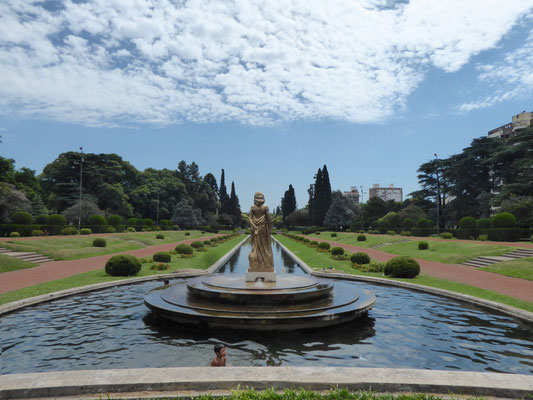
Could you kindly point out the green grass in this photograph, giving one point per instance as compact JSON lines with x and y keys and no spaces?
{"x":334,"y":394}
{"x":76,"y":247}
{"x":318,"y":260}
{"x":445,"y":251}
{"x":521,"y":268}
{"x":8,"y":263}
{"x":351,"y":238}
{"x":202,"y":260}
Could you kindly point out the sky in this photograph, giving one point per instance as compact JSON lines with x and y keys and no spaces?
{"x":269,"y":91}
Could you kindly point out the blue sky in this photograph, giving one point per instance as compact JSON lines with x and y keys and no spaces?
{"x":371,"y":88}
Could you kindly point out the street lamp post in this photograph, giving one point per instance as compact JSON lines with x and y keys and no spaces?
{"x":362,"y":212}
{"x":81,"y":177}
{"x":438,"y":191}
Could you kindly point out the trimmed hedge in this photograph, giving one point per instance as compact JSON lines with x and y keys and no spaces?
{"x":69,"y":230}
{"x":360,"y":258}
{"x":503,"y":228}
{"x":123,"y":265}
{"x":160,"y":236}
{"x":184,"y":249}
{"x":337,"y":251}
{"x":402,"y":267}
{"x":99,"y":242}
{"x":361,"y":238}
{"x":324,"y":246}
{"x":423,"y":245}
{"x":197,"y":244}
{"x":21,"y":218}
{"x":446,"y":235}
{"x":86,"y":231}
{"x":162,"y":256}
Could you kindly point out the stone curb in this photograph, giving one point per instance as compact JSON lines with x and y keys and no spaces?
{"x":522,"y":315}
{"x":99,"y":383}
{"x":17,"y":305}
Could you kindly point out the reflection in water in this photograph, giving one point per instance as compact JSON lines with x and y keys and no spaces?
{"x":405,"y":329}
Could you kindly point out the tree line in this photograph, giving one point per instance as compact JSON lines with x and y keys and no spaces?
{"x":489,"y":176}
{"x":113,"y":186}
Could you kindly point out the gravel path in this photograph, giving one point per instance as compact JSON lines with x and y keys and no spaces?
{"x":54,"y":270}
{"x":513,"y":287}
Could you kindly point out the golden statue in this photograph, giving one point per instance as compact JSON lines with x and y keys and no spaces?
{"x":261,"y":260}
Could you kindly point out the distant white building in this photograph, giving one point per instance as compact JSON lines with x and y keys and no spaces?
{"x":353,"y":194}
{"x":386,"y":193}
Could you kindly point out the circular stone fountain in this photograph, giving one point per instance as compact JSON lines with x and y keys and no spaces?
{"x":291,"y":302}
{"x":261,"y":299}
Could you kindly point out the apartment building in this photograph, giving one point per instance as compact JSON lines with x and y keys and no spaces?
{"x":518,"y":123}
{"x":353,"y":194}
{"x":386,"y":193}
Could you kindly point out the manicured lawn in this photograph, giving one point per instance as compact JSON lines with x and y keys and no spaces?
{"x":521,"y":268}
{"x":76,"y":247}
{"x":317,"y":260}
{"x":450,"y":252}
{"x":445,"y":251}
{"x":8,"y":263}
{"x":202,"y":260}
{"x":351,"y":238}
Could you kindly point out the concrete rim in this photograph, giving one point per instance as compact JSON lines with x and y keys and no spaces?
{"x":157,"y":382}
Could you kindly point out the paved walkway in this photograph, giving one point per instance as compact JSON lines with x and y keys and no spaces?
{"x":513,"y":287}
{"x":54,"y":270}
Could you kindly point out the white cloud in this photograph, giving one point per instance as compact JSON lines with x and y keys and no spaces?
{"x":508,"y":79}
{"x":106,"y":62}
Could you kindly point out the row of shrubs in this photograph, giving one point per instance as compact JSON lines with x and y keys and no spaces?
{"x":397,"y":267}
{"x":128,"y":265}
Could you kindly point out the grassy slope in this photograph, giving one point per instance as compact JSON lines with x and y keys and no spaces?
{"x":76,"y":247}
{"x":445,"y":251}
{"x":202,"y":260}
{"x":520,"y":268}
{"x":319,"y":260}
{"x":8,"y":263}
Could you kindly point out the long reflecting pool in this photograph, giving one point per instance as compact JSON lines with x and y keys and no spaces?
{"x":405,"y":329}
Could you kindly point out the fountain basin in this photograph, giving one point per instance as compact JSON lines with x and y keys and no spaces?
{"x":229,"y":302}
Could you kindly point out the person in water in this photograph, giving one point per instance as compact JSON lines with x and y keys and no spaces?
{"x":220,"y":356}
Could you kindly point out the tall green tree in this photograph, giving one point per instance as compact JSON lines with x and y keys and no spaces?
{"x":288,"y":202}
{"x":340,"y":214}
{"x":223,"y":196}
{"x":235,"y":206}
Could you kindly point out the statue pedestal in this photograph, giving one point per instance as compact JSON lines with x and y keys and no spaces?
{"x":266,"y":276}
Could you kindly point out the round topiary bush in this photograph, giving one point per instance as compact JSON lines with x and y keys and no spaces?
{"x":21,"y":218}
{"x":123,"y":265}
{"x":114,"y":220}
{"x":333,"y":234}
{"x":323,"y":246}
{"x":160,"y":236}
{"x":130,"y":229}
{"x":187,"y":234}
{"x":57,"y":219}
{"x":184,"y":250}
{"x":360,"y":258}
{"x":503,"y":227}
{"x":337,"y":251}
{"x":99,"y":242}
{"x":446,"y":235}
{"x":161,"y":256}
{"x":207,"y":242}
{"x":317,"y":233}
{"x":361,"y":238}
{"x":391,"y":232}
{"x":314,"y":243}
{"x":423,"y":245}
{"x":402,"y":267}
{"x":69,"y":230}
{"x":197,"y":244}
{"x":406,"y":233}
{"x":110,"y":229}
{"x":97,"y":220}
{"x":86,"y":231}
{"x":37,"y":232}
{"x":14,"y":234}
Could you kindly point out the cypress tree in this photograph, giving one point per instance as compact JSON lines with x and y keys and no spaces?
{"x":223,"y":195}
{"x":317,"y":199}
{"x":325,"y":195}
{"x":288,"y":202}
{"x":235,"y":211}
